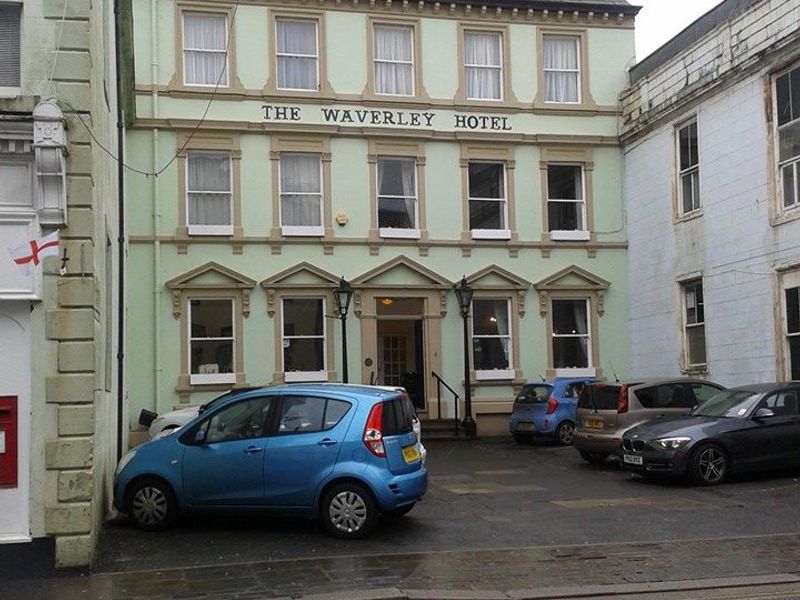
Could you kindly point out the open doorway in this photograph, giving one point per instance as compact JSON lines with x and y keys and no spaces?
{"x":401,"y":348}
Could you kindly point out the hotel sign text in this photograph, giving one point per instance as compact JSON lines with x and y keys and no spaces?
{"x":383,"y":118}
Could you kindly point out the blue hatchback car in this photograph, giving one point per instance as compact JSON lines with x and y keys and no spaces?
{"x":343,"y":453}
{"x":547,"y":408}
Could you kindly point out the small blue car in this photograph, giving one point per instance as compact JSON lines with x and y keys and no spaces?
{"x":343,"y":453}
{"x":547,"y":408}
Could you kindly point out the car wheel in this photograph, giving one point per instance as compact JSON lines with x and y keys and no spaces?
{"x":522,"y":439}
{"x":594,"y":458}
{"x":709,"y":465}
{"x":151,"y":504}
{"x":349,"y":511}
{"x":400,"y":512}
{"x":565,"y":432}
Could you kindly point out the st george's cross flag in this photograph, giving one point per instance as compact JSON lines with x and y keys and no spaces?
{"x":32,"y":252}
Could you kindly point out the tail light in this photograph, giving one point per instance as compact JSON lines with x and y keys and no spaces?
{"x":552,"y":405}
{"x":622,"y":399}
{"x":373,"y":432}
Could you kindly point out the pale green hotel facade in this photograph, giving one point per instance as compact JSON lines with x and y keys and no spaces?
{"x":399,"y":145}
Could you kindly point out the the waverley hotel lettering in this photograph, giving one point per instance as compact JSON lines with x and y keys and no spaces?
{"x":395,"y":118}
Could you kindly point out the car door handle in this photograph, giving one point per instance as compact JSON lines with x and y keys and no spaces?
{"x":327,"y":442}
{"x":253,"y":449}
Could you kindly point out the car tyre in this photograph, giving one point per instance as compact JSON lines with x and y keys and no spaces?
{"x":708,"y":465}
{"x":565,"y":433}
{"x":349,"y":511}
{"x":523,"y":439}
{"x":594,"y":458}
{"x":151,"y":504}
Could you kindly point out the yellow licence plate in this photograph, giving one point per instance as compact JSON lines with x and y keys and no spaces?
{"x":593,"y":423}
{"x":410,"y":454}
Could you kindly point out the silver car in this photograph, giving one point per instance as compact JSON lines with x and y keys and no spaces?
{"x":607,"y":410}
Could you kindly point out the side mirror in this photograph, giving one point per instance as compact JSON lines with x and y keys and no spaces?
{"x":200,"y":436}
{"x":763,"y":413}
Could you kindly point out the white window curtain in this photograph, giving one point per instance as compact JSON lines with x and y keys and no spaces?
{"x":10,"y":15}
{"x":296,"y":47}
{"x":397,"y":193}
{"x":394,"y":60}
{"x":205,"y":40}
{"x":301,"y":190}
{"x":561,"y":70}
{"x":491,"y":337}
{"x":208,"y":185}
{"x":482,"y":62}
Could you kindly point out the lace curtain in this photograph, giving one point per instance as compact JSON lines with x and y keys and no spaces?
{"x":561,"y":69}
{"x":296,"y":46}
{"x":482,"y":64}
{"x":204,"y":43}
{"x":394,"y":68}
{"x":209,"y":187}
{"x":301,"y":190}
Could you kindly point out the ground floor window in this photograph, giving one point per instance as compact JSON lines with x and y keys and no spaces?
{"x":793,"y":331}
{"x":491,"y":338}
{"x":572,"y":342}
{"x":211,"y":341}
{"x":694,"y":323}
{"x":304,"y":339}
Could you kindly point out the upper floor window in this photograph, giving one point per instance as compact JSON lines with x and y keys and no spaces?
{"x":301,"y":194}
{"x":694,"y":323}
{"x":208,"y":193}
{"x":205,"y":49}
{"x":393,"y":56}
{"x":572,"y":341}
{"x":488,"y":209}
{"x":561,"y":66}
{"x":566,"y":206}
{"x":787,"y":100}
{"x":10,"y":26}
{"x":297,"y":54}
{"x":688,"y":168}
{"x":491,"y":338}
{"x":303,"y":337}
{"x":397,"y":197}
{"x":211,"y":341}
{"x":483,"y":64}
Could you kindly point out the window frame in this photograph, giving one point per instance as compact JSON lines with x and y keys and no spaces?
{"x":787,"y":281}
{"x":486,"y":374}
{"x":398,"y":232}
{"x":374,"y":60}
{"x":690,"y":171}
{"x":216,"y":230}
{"x":302,"y":230}
{"x":686,"y":286}
{"x":500,"y":34}
{"x":579,"y":71}
{"x":490,"y":234}
{"x":793,"y":162}
{"x":304,"y":376}
{"x":211,"y":378}
{"x":317,"y":39}
{"x":568,"y":234}
{"x":589,"y":370}
{"x":226,"y":52}
{"x":11,"y":91}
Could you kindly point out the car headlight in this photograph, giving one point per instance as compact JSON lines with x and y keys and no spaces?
{"x":123,"y":462}
{"x":672,"y":443}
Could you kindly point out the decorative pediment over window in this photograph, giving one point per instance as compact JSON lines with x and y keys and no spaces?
{"x":494,"y":278}
{"x":571,"y":279}
{"x":210,"y":276}
{"x":401,"y":273}
{"x":302,"y":276}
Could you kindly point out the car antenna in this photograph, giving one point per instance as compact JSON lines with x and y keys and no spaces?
{"x":542,"y":378}
{"x":616,"y":377}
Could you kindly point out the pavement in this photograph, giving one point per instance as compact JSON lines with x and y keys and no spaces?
{"x":500,"y":521}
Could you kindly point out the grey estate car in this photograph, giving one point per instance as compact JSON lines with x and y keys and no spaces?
{"x":607,"y":410}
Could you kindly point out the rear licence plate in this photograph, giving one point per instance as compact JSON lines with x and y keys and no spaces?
{"x":593,"y":423}
{"x":410,"y":454}
{"x":525,"y":426}
{"x":632,"y":460}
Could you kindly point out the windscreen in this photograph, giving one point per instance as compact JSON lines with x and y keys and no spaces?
{"x":532,"y":394}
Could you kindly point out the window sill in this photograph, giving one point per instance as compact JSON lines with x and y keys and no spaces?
{"x":212,"y":379}
{"x":221,"y":230}
{"x":690,"y":216}
{"x":494,"y":375}
{"x":695,"y":370}
{"x":576,"y":235}
{"x":298,"y":376}
{"x":787,"y":215}
{"x":394,"y":232}
{"x":10,"y":92}
{"x":296,"y":231}
{"x":576,"y":372}
{"x":491,"y":234}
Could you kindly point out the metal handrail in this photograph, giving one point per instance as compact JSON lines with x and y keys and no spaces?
{"x":439,"y":383}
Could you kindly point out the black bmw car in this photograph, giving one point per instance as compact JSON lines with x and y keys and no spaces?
{"x":749,"y":428}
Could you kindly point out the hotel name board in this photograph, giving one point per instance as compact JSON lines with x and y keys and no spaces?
{"x":350,"y":116}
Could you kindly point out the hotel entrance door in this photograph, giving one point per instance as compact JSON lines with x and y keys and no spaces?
{"x":401,"y":349}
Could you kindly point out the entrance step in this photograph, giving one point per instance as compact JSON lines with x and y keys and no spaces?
{"x":441,"y":429}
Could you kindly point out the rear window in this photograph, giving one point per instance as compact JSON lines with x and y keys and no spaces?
{"x":668,"y":395}
{"x":398,"y":416}
{"x":530,"y":394}
{"x":600,"y":397}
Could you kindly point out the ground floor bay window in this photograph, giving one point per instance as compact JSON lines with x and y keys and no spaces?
{"x":572,"y":341}
{"x":491,"y":338}
{"x":211,"y":341}
{"x":303,"y":339}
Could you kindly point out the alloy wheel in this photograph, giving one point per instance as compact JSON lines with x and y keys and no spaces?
{"x":711,"y":464}
{"x":566,"y":432}
{"x":348,"y":511}
{"x":149,"y":506}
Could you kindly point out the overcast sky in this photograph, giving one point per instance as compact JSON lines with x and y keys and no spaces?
{"x":659,"y":20}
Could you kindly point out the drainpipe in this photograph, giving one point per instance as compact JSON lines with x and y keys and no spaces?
{"x":156,"y":211}
{"x":120,"y":239}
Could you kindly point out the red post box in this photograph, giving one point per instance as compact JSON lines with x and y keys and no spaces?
{"x":8,"y":441}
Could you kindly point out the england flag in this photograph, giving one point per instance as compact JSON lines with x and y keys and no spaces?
{"x":32,"y":252}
